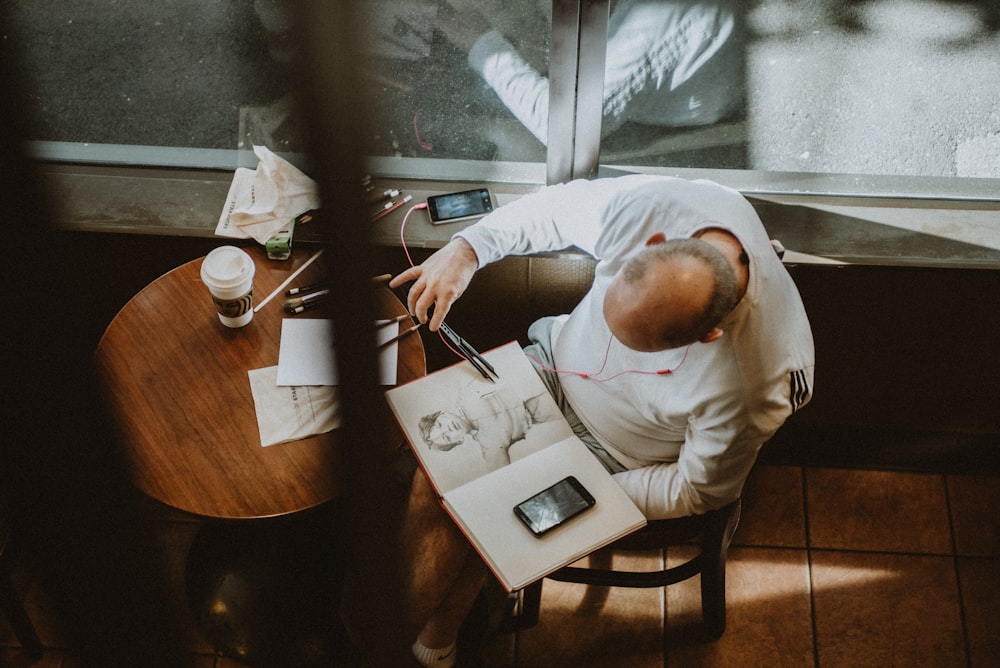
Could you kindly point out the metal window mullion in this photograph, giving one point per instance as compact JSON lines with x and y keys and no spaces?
{"x":576,"y":88}
{"x":562,"y":90}
{"x":590,"y":87}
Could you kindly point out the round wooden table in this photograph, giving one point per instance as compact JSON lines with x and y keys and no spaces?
{"x":177,"y":382}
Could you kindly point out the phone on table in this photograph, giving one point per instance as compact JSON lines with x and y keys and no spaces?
{"x":554,"y":505}
{"x":463,"y":205}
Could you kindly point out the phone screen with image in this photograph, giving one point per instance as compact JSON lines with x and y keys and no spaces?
{"x":554,"y":506}
{"x":459,"y":206}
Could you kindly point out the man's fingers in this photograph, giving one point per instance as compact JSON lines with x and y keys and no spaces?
{"x":404,"y":277}
{"x":424,"y":301}
{"x":413,"y":274}
{"x":440,"y":311}
{"x":412,"y":300}
{"x":438,"y":282}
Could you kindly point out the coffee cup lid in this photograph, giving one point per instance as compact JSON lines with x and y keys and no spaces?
{"x":227,"y":266}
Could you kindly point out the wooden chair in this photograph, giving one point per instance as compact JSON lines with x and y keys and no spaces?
{"x":713,"y":532}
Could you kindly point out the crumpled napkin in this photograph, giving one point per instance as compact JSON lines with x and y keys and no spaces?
{"x":261,"y":201}
{"x":290,"y":413}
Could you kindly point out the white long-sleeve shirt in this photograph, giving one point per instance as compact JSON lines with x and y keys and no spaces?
{"x":671,"y":63}
{"x":690,"y":437}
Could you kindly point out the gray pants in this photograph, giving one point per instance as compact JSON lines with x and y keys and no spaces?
{"x":541,"y":348}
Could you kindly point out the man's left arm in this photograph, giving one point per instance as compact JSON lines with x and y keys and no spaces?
{"x":708,"y":474}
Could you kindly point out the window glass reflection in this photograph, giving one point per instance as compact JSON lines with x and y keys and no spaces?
{"x":881,"y":87}
{"x":672,"y":63}
{"x":867,"y":87}
{"x":465,"y":79}
{"x":426,"y":60}
{"x":674,"y":67}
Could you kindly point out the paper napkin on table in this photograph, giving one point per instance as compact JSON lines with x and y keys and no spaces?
{"x":261,"y":201}
{"x":289,"y":413}
{"x":306,"y":353}
{"x":298,"y":397}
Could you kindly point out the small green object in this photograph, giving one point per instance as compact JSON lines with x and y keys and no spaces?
{"x":279,"y":247}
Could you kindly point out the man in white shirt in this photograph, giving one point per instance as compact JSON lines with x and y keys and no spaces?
{"x":689,"y":351}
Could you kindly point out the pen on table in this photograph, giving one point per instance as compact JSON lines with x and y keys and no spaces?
{"x":390,"y":207}
{"x":306,"y":288}
{"x":375,"y":198}
{"x":308,"y":300}
{"x":385,"y":208}
{"x":405,"y":332}
{"x":302,"y":308}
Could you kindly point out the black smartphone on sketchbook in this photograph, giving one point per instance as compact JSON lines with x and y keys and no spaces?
{"x":554,"y":506}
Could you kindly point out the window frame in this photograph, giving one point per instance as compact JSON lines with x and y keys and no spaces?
{"x":579,"y":27}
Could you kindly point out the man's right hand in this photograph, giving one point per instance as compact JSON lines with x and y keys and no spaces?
{"x":439,"y":281}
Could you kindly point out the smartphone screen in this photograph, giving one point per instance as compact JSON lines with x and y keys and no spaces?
{"x":554,"y":505}
{"x":459,"y":206}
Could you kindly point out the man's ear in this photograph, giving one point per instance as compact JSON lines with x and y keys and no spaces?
{"x":711,"y":336}
{"x":657,"y":238}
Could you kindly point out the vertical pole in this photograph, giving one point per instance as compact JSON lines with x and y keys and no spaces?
{"x":335,"y":101}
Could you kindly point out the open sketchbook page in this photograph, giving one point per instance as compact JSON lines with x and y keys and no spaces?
{"x":462,"y":426}
{"x":488,"y":446}
{"x":485,"y":510}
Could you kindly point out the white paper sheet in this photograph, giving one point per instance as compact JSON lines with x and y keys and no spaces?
{"x":261,"y":201}
{"x":306,"y":353}
{"x":290,"y":413}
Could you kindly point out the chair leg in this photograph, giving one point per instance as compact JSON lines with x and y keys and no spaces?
{"x":526,"y":615}
{"x":715,"y":547}
{"x":713,"y":598}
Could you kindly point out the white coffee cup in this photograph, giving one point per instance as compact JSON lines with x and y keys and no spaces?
{"x":228,"y":273}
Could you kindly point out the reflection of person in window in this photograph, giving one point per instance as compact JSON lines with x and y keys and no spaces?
{"x":668,"y":62}
{"x":491,"y":417}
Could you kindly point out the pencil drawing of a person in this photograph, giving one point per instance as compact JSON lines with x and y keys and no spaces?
{"x":491,"y":417}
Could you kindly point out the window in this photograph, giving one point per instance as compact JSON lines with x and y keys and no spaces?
{"x":865,"y":97}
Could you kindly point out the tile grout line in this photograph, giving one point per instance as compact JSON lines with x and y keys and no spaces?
{"x":665,"y":635}
{"x":958,"y":575}
{"x":809,"y":565}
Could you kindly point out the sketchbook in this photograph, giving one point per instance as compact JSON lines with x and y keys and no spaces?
{"x":486,"y":447}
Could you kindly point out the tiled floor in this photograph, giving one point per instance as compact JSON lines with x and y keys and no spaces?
{"x":828,"y":568}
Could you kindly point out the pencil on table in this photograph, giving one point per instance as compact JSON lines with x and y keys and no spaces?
{"x":405,"y":332}
{"x":288,"y":280}
{"x":392,"y":321}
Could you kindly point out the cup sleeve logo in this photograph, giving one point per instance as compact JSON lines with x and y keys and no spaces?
{"x":234,"y":308}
